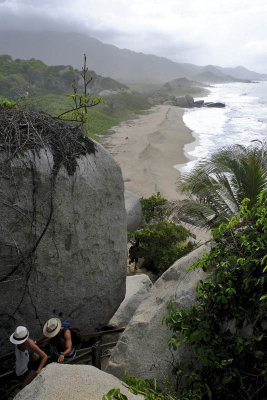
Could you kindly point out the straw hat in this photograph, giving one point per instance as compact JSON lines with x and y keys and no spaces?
{"x":20,"y":335}
{"x":52,"y":327}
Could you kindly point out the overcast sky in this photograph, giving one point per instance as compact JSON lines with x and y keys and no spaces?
{"x":222,"y":32}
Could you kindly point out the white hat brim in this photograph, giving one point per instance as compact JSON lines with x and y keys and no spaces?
{"x":55,"y":332}
{"x":15,"y":341}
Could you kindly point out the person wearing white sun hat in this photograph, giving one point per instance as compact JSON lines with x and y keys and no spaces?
{"x":30,"y":359}
{"x":60,"y":340}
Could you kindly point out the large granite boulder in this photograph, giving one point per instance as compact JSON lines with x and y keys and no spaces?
{"x":79,"y":382}
{"x":184,"y":101}
{"x":133,"y":210}
{"x":137,"y":289}
{"x":190,"y":100}
{"x":63,"y":238}
{"x":142,"y":349}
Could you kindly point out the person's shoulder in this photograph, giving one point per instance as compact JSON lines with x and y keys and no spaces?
{"x":30,"y":343}
{"x":67,"y":332}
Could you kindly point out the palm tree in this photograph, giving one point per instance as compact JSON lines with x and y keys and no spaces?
{"x":217,"y":186}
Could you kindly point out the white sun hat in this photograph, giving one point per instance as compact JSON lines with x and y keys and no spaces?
{"x":20,"y":335}
{"x":52,"y":327}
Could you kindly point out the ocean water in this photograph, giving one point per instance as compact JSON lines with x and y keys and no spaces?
{"x":242,"y":120}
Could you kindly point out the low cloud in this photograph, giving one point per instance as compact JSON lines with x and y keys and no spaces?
{"x":223,"y":32}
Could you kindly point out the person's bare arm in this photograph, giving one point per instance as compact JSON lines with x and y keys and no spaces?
{"x":68,"y":343}
{"x":41,"y":353}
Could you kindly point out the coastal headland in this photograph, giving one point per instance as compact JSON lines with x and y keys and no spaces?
{"x":147,"y":148}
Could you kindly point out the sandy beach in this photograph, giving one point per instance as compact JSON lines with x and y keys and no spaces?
{"x":148,"y":147}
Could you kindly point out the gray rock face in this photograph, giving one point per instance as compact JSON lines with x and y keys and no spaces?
{"x":190,"y":100}
{"x":215,"y":105}
{"x":142,"y":349}
{"x":79,"y":382}
{"x":71,"y":237}
{"x":181,"y":102}
{"x":198,"y":103}
{"x":134,"y":211}
{"x":137,"y":289}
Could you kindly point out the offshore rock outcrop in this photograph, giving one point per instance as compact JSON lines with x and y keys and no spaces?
{"x":63,"y":245}
{"x":186,"y":101}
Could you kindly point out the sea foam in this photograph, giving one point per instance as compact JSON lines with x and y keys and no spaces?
{"x":243,"y":120}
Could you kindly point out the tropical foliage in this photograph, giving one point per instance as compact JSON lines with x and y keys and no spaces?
{"x":217,"y":186}
{"x":153,"y":207}
{"x":226,"y":328}
{"x":34,"y":76}
{"x":146,"y":387}
{"x":160,"y":245}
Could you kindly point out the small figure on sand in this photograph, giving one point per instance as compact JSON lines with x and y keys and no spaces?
{"x":30,"y":359}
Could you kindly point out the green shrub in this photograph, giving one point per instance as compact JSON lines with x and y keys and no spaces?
{"x":7,"y":104}
{"x":225,"y":327}
{"x":160,"y":244}
{"x":152,"y":207}
{"x":146,"y":387}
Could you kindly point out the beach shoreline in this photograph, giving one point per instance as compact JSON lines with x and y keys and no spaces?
{"x":147,"y":148}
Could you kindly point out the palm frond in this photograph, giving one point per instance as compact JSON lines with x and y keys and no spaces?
{"x":224,"y":180}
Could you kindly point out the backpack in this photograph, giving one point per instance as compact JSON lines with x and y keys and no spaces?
{"x":75,"y":337}
{"x":75,"y":334}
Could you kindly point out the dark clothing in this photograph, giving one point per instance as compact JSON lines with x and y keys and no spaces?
{"x":58,"y":345}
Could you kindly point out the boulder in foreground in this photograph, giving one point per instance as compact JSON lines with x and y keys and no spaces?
{"x":142,"y":349}
{"x":72,"y":382}
{"x":63,"y":239}
{"x":138,"y":288}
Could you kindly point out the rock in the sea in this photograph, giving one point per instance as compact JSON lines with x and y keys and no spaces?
{"x":142,"y":349}
{"x":137,"y":289}
{"x":198,"y":103}
{"x":72,"y":382}
{"x":63,"y":238}
{"x":215,"y":105}
{"x":133,"y":210}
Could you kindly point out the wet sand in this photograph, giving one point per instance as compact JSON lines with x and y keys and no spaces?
{"x":148,"y":147}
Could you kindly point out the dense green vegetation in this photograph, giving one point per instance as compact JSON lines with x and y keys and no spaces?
{"x":218,"y":185}
{"x":225,"y":328}
{"x":159,"y":241}
{"x":161,"y":244}
{"x":146,"y":387}
{"x":153,"y":207}
{"x":20,"y":77}
{"x":33,"y":84}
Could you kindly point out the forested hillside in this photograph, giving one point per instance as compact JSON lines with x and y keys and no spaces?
{"x":37,"y":85}
{"x":20,"y":77}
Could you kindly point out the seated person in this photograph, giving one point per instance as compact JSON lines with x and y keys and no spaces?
{"x":30,"y":359}
{"x":60,"y":340}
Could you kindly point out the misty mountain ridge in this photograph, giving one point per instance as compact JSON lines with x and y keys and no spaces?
{"x":66,"y":48}
{"x":34,"y":76}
